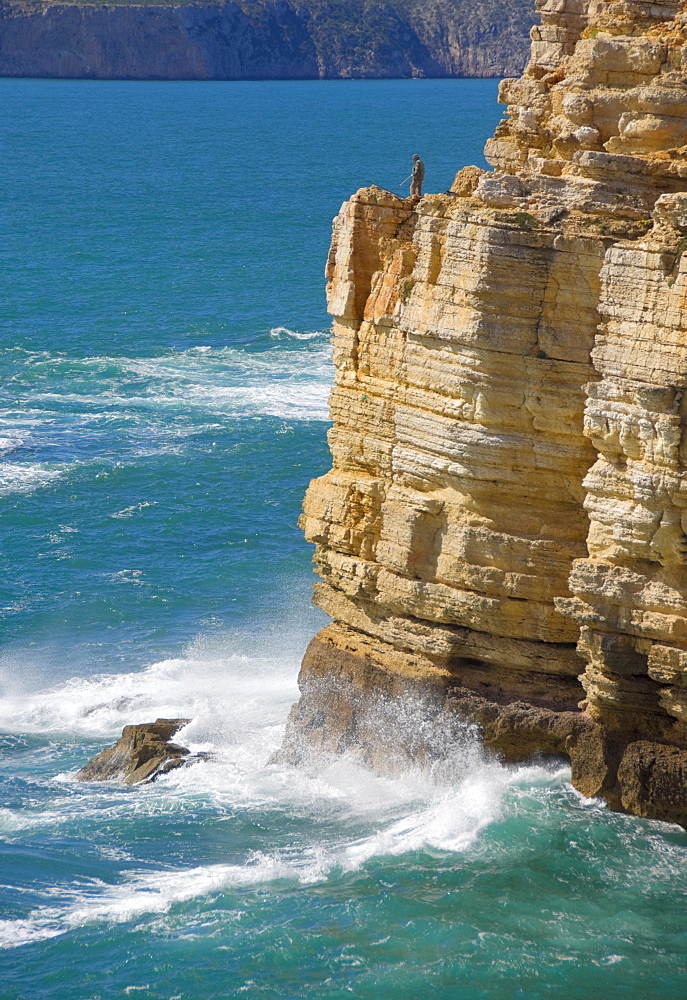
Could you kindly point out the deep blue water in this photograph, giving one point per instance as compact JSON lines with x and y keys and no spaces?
{"x":165,"y":369}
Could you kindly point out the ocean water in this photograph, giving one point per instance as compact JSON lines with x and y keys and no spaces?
{"x":165,"y":370}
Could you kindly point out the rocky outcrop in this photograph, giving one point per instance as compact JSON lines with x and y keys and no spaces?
{"x":142,"y":753}
{"x":267,"y":39}
{"x":504,"y":526}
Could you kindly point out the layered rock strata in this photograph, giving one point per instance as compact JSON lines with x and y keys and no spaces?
{"x":503,"y":530}
{"x":262,"y":39}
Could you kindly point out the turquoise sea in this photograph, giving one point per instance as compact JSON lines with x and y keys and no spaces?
{"x":163,"y":404}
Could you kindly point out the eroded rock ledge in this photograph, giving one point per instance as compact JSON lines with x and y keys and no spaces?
{"x":504,"y":523}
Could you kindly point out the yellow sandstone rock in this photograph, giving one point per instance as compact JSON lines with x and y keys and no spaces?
{"x":505,"y":522}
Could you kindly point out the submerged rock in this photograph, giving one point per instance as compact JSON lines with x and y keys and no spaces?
{"x":142,"y":753}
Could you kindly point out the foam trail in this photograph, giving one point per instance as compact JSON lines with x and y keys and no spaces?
{"x":159,"y":400}
{"x":283,"y":382}
{"x":278,"y":332}
{"x":154,"y":892}
{"x":448,"y":821}
{"x":24,"y":477}
{"x":295,"y":399}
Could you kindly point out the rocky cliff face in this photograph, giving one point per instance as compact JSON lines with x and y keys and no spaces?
{"x":262,"y":39}
{"x":504,"y":527}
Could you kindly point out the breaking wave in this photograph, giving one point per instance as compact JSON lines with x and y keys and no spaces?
{"x":238,"y":706}
{"x":280,"y":332}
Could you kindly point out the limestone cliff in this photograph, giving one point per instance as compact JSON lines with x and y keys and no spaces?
{"x":504,"y":527}
{"x":262,"y":39}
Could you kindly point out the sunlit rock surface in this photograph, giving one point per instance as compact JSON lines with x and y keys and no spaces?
{"x":504,"y":523}
{"x":141,"y":754}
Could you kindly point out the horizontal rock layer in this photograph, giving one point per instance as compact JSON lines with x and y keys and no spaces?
{"x":504,"y":524}
{"x":263,"y":39}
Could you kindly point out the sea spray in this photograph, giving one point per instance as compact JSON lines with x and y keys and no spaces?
{"x":356,"y":814}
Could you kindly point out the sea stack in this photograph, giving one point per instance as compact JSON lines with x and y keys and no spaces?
{"x":504,"y":527}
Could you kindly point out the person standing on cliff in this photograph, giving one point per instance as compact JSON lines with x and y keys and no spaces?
{"x":417,"y":176}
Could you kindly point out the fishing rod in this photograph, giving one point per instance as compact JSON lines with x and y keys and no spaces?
{"x":409,"y":177}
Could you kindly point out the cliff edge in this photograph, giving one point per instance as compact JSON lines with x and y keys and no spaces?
{"x":262,"y":39}
{"x":503,"y":531}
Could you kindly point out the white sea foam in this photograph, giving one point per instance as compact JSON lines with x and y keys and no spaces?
{"x":10,"y":442}
{"x":444,"y":820}
{"x":282,"y":382}
{"x":296,"y":400}
{"x":146,"y":893}
{"x":24,"y":477}
{"x":279,"y":332}
{"x":286,"y":382}
{"x":238,"y":705}
{"x":15,"y":432}
{"x":134,"y":509}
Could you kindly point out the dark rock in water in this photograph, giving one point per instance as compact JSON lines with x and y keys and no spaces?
{"x":142,"y":753}
{"x":653,"y":781}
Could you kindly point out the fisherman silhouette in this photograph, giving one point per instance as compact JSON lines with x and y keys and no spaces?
{"x":418,"y":175}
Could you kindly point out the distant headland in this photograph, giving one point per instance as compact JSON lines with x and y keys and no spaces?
{"x":264,"y":39}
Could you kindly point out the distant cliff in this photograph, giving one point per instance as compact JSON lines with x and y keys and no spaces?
{"x":504,"y":528}
{"x":261,"y":39}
